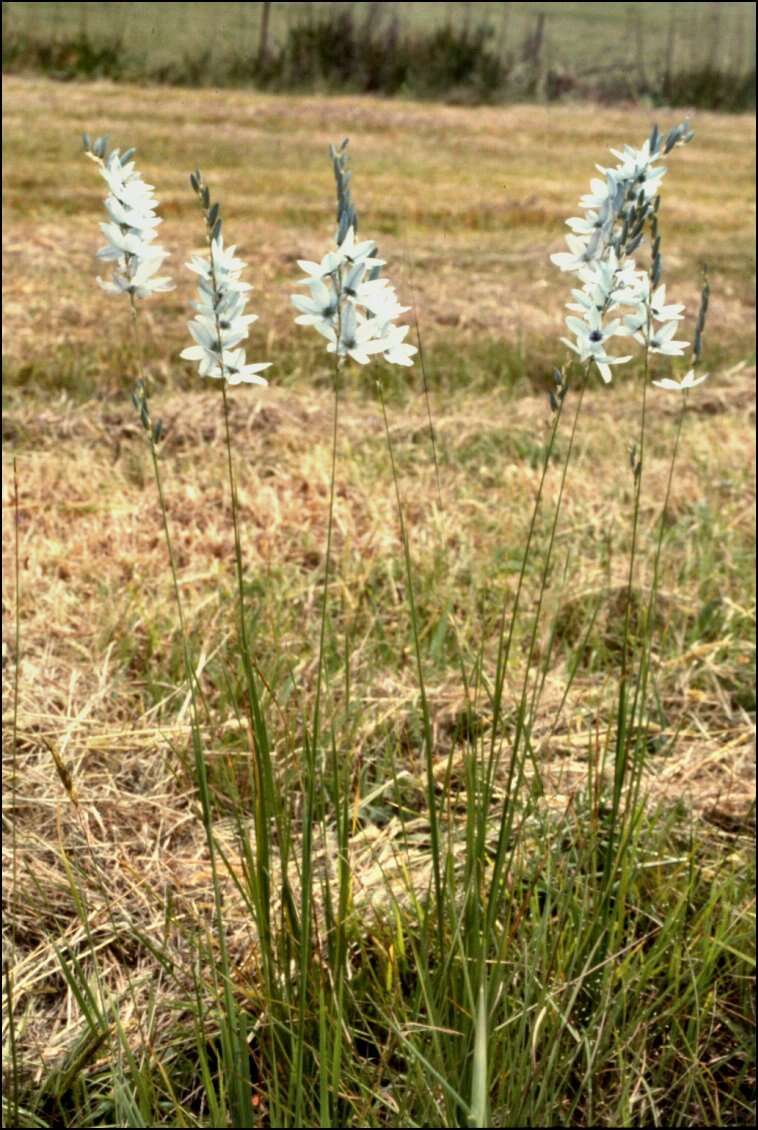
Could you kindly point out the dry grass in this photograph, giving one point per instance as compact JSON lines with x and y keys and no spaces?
{"x":94,"y":572}
{"x":474,"y":200}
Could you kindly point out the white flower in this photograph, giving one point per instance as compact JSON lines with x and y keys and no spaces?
{"x":660,"y":311}
{"x":591,"y":336}
{"x":589,"y":224}
{"x":209,"y":332}
{"x":397,"y":352}
{"x":227,"y":298}
{"x":356,"y":254}
{"x":328,"y":265}
{"x":382,"y":303}
{"x":124,"y":182}
{"x":140,"y":283}
{"x":635,"y":169}
{"x":352,"y":252}
{"x":687,"y":381}
{"x":609,"y":275}
{"x":320,"y":310}
{"x":591,"y":333}
{"x":230,"y":365}
{"x":661,"y":340}
{"x":141,"y":220}
{"x":590,"y":298}
{"x":224,"y":261}
{"x":237,"y":371}
{"x":617,"y":209}
{"x":208,"y":357}
{"x":122,"y":241}
{"x":229,"y":305}
{"x":576,"y":257}
{"x":356,"y":338}
{"x":600,"y":192}
{"x":351,"y":279}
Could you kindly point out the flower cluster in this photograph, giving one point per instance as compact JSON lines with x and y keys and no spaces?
{"x":131,"y":229}
{"x":348,"y":301}
{"x":221,"y":323}
{"x":616,"y":298}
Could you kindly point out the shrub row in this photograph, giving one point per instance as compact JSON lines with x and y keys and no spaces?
{"x":338,"y":51}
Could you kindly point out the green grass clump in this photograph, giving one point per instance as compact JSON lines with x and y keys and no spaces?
{"x":623,"y":1008}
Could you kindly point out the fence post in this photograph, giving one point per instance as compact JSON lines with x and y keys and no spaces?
{"x":263,"y":41}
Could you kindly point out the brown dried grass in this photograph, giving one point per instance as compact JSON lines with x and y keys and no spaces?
{"x":93,"y":563}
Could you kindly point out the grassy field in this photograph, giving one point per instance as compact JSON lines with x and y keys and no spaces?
{"x":122,"y":983}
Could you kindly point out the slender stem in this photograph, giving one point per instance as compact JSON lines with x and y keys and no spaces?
{"x":428,"y":745}
{"x":230,"y":465}
{"x":516,"y":765}
{"x":623,"y":720}
{"x":265,"y":784}
{"x":265,"y":801}
{"x":504,"y":645}
{"x":239,"y":572}
{"x":635,"y":528}
{"x":327,"y":564}
{"x":263,"y":771}
{"x":640,"y":691}
{"x":311,"y":751}
{"x":549,"y":557}
{"x":427,"y":398}
{"x":164,"y":511}
{"x":664,"y":508}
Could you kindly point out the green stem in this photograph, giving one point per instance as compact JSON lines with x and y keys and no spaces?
{"x":427,"y":398}
{"x":327,"y":565}
{"x":164,"y":516}
{"x":623,"y":719}
{"x":504,"y":645}
{"x":516,"y":765}
{"x":640,"y":691}
{"x":428,"y":744}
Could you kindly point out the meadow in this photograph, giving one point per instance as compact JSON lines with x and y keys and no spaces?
{"x":138,"y":989}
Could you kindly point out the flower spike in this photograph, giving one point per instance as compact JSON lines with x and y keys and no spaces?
{"x":350,"y":303}
{"x":618,"y":209}
{"x":130,"y":232}
{"x":220,"y":325}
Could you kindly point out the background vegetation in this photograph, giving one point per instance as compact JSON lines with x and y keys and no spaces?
{"x":690,"y":54}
